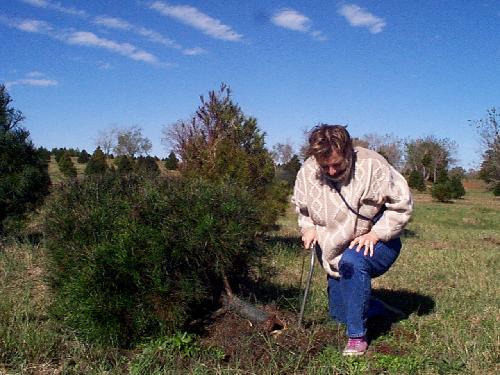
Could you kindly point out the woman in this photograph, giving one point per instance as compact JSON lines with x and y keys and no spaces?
{"x":353,"y":205}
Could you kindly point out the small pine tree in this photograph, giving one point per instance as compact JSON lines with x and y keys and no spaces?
{"x":457,"y":187}
{"x":172,"y":163}
{"x":496,"y":190}
{"x":124,"y":164}
{"x":441,"y":192}
{"x":147,"y":165}
{"x":416,"y":181}
{"x":84,"y":157}
{"x":66,"y":165}
{"x":24,"y":179}
{"x":288,"y":171}
{"x":97,"y":163}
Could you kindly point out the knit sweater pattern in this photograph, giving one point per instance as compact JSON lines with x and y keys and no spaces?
{"x":374,"y":183}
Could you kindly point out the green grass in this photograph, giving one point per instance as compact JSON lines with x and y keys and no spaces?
{"x":446,"y":279}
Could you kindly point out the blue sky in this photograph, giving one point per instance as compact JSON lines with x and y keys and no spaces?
{"x":411,"y":68}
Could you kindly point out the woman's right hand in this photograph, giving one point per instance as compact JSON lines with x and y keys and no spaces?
{"x":309,"y":237}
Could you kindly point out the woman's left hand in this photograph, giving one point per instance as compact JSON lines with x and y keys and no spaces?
{"x":368,"y":240}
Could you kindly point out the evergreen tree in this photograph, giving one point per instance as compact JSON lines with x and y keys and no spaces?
{"x":97,"y":163}
{"x":220,"y":143}
{"x":172,"y":163}
{"x":416,"y":181}
{"x":83,"y":157}
{"x":124,"y":164}
{"x":66,"y":165}
{"x":288,"y":171}
{"x":24,"y":178}
{"x":147,"y":165}
{"x":456,"y":187}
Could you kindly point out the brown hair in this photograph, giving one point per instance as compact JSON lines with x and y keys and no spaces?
{"x":324,"y":138}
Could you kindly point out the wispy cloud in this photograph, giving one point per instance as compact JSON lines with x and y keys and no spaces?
{"x":89,"y":39}
{"x":360,"y":17}
{"x":191,"y":16}
{"x":35,"y":74}
{"x":83,"y":38}
{"x":32,"y":26}
{"x":291,"y":19}
{"x":194,"y":51}
{"x":120,"y":24}
{"x":34,"y":78}
{"x":296,"y":21}
{"x":111,"y":23}
{"x":56,"y":6}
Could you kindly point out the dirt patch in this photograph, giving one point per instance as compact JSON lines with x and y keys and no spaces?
{"x":494,"y":240}
{"x":252,"y":346}
{"x":438,"y":245}
{"x":404,"y":334}
{"x":471,"y":220}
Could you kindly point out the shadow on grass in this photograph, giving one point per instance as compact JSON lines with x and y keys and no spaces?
{"x":408,"y":233}
{"x":290,"y":245}
{"x":407,"y":301}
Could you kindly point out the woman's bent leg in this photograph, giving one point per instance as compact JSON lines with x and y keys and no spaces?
{"x":356,"y":272}
{"x":336,"y":306}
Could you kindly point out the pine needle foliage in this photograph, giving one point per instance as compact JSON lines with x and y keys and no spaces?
{"x":66,"y":165}
{"x":220,"y":143}
{"x":97,"y":163}
{"x":134,"y":256}
{"x":24,"y":179}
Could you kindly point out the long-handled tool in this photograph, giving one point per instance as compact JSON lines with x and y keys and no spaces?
{"x":308,"y":283}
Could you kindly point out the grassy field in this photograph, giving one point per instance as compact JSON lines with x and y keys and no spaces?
{"x":445,"y":280}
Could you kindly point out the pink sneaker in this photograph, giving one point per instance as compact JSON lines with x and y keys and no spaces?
{"x":356,"y":346}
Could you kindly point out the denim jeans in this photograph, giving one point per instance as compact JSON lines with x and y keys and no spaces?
{"x":349,"y":297}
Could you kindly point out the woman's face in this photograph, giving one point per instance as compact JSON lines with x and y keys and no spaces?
{"x":334,"y":165}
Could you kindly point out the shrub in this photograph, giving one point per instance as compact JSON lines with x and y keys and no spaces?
{"x":147,"y":164}
{"x":441,"y":192}
{"x":171,"y":163}
{"x":496,"y":190}
{"x":456,"y":186}
{"x":66,"y":165}
{"x":220,"y":143}
{"x":97,"y":163}
{"x":24,"y":179}
{"x":416,"y":181}
{"x":83,"y":157}
{"x":124,"y":164}
{"x":131,"y":256}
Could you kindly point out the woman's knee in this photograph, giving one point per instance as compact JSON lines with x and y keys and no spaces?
{"x":351,"y":262}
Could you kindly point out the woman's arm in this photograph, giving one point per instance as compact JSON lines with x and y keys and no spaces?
{"x":396,"y":194}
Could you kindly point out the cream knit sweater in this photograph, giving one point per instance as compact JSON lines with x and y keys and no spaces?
{"x":374,"y":183}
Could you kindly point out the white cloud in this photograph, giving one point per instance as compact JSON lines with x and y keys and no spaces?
{"x":56,"y":6}
{"x":35,"y":74}
{"x":104,"y":65}
{"x":120,"y":24}
{"x":32,"y":26}
{"x":359,"y":17}
{"x":291,"y":19}
{"x":194,"y":51}
{"x":89,"y":39}
{"x":193,"y":17}
{"x":319,"y":36}
{"x":40,"y":82}
{"x":296,"y":21}
{"x":112,"y":22}
{"x":83,"y":38}
{"x":106,"y":21}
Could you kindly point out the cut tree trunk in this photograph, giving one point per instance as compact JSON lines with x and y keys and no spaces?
{"x":270,"y":322}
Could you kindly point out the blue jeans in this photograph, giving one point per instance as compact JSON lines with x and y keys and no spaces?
{"x":349,"y":297}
